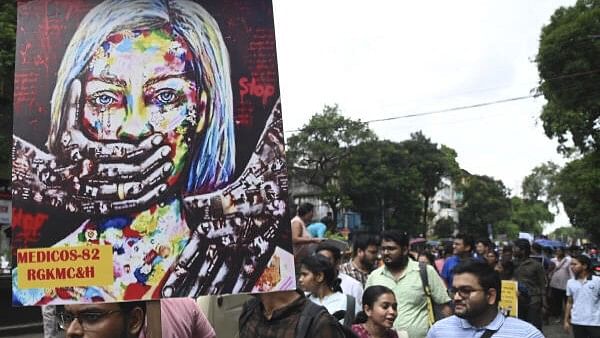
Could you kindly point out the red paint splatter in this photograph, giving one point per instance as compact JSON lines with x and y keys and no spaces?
{"x":115,"y":38}
{"x":130,"y":233}
{"x":169,"y":57}
{"x":135,"y":291}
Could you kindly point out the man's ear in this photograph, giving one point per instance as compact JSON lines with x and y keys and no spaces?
{"x":491,"y":296}
{"x":135,"y":321}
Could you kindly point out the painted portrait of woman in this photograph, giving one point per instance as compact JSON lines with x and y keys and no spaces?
{"x":141,"y":145}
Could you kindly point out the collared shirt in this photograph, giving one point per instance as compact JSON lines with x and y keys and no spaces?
{"x":562,"y":273}
{"x":354,"y":272}
{"x":283,"y":323}
{"x":181,"y":317}
{"x":507,"y":327}
{"x":531,"y":274}
{"x":448,"y":269}
{"x":411,"y":299}
{"x":333,"y":303}
{"x":586,"y":301}
{"x":352,"y":287}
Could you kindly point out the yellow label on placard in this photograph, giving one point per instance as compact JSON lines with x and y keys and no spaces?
{"x":509,"y":300}
{"x":88,"y":265}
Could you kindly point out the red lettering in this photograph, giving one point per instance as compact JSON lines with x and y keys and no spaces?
{"x":64,"y":255}
{"x":22,"y":257}
{"x":89,"y":272}
{"x":73,"y":255}
{"x":30,"y":274}
{"x":29,"y":224}
{"x":61,"y":273}
{"x":255,"y":89}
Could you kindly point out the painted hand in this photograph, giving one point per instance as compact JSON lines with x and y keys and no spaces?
{"x":234,"y":229}
{"x":90,"y":176}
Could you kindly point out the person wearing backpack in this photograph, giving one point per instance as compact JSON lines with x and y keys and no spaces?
{"x":286,"y":314}
{"x":318,"y":277}
{"x":402,"y":275}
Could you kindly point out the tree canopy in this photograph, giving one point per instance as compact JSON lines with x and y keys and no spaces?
{"x":486,"y":202}
{"x":569,"y":68}
{"x":316,"y":152}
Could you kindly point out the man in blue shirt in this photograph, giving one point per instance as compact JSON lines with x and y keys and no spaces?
{"x":462,"y":248}
{"x":476,"y":292}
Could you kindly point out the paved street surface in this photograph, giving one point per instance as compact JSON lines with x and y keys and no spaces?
{"x":550,"y":331}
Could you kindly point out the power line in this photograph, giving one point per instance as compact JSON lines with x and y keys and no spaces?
{"x":477,"y":105}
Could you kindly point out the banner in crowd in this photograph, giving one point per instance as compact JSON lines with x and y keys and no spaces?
{"x":148,"y":154}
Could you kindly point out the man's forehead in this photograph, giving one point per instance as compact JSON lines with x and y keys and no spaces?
{"x":76,"y":308}
{"x":390,"y":242}
{"x":465,"y":279}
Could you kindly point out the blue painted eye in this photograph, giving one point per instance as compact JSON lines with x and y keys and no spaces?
{"x":104,"y":100}
{"x":166,"y":97}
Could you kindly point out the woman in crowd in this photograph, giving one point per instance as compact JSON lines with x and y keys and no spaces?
{"x":318,"y":277}
{"x":558,"y":282}
{"x":376,"y":320}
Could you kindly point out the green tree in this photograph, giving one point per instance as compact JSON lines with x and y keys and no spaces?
{"x":569,"y":67}
{"x":486,"y":202}
{"x":315,"y":153}
{"x":530,"y":215}
{"x":444,"y":227}
{"x":383,"y":186}
{"x":568,"y":233}
{"x":433,"y":162}
{"x":578,"y":187}
{"x":540,"y":184}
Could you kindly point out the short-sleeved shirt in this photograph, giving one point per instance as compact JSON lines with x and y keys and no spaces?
{"x":181,"y":317}
{"x":411,"y":299}
{"x":354,"y":272}
{"x":506,"y":327}
{"x":586,"y":301}
{"x":284,"y":321}
{"x":530,"y":273}
{"x":352,"y":287}
{"x":448,"y":269}
{"x":333,"y":303}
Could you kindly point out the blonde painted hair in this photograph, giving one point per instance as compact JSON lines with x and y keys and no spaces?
{"x":214,"y":159}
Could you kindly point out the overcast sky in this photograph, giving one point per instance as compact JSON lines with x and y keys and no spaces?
{"x":383,"y":59}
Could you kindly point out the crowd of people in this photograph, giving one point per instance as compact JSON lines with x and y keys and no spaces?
{"x":388,"y":289}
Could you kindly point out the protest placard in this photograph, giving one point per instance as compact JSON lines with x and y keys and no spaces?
{"x":148,"y":155}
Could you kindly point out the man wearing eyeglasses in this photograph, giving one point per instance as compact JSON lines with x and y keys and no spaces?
{"x":99,"y":320}
{"x":476,"y":292}
{"x":402,"y":275}
{"x":180,"y":317}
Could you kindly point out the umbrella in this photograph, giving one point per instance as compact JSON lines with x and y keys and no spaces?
{"x":548,"y":243}
{"x":417,"y":240}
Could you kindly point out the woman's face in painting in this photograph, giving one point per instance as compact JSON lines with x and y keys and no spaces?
{"x":142,"y":82}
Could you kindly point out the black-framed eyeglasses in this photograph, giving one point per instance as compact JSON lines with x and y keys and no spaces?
{"x":463,"y":292}
{"x":87,"y":319}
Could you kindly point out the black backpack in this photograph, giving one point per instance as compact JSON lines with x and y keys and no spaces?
{"x":309,"y":314}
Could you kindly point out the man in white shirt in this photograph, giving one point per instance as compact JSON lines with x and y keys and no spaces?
{"x":349,"y":285}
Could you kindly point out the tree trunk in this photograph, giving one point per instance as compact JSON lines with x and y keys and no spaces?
{"x":425,"y":212}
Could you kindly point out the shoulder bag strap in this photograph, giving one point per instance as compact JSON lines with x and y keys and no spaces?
{"x":488,"y":333}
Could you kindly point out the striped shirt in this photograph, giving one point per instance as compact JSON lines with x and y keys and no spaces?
{"x":507,"y":327}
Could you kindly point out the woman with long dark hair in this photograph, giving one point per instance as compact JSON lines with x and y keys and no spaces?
{"x":376,"y":320}
{"x":319,"y":278}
